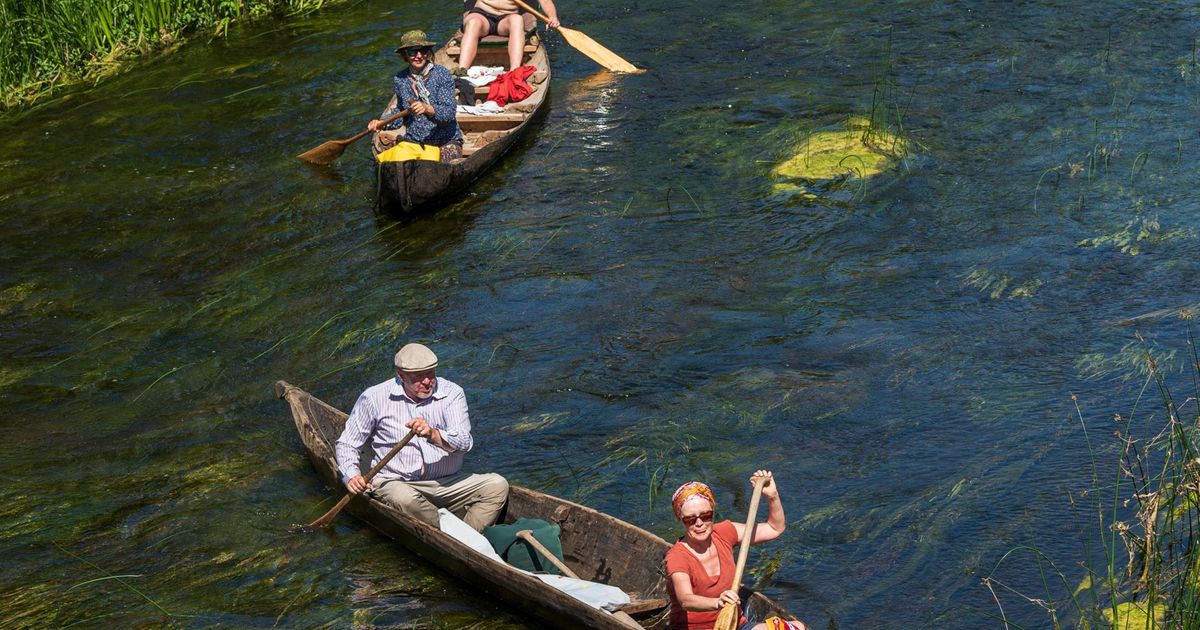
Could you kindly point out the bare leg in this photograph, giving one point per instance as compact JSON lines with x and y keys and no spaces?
{"x":474,"y":26}
{"x":514,"y":27}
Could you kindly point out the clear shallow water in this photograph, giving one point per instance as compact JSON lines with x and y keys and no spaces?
{"x":627,"y":302}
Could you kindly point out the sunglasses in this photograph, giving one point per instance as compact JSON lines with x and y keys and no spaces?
{"x":703,"y":517}
{"x":412,"y":52}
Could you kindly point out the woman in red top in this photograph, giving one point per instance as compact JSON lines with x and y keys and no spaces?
{"x":700,"y":565}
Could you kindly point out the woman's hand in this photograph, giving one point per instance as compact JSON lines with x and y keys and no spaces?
{"x":553,"y":22}
{"x":770,"y":490}
{"x":422,"y":109}
{"x":728,"y":597}
{"x":375,"y":125}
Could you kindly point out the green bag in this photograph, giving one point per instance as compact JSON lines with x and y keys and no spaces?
{"x":521,"y":554}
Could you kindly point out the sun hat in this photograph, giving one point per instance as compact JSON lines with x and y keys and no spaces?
{"x":414,"y":39}
{"x":415,"y":357}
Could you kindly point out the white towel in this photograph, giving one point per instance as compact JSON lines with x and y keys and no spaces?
{"x":488,"y":107}
{"x":483,"y":75}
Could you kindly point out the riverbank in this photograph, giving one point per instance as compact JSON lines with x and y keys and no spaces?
{"x":46,"y":48}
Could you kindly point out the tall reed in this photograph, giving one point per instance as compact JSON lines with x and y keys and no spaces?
{"x":45,"y":44}
{"x":1148,"y":518}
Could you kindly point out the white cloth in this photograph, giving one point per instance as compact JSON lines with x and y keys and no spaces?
{"x":594,"y":594}
{"x":483,"y":75}
{"x":488,"y":107}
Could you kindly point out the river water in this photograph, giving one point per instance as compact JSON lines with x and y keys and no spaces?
{"x":627,"y":299}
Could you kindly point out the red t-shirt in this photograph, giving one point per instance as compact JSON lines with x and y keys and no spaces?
{"x":680,"y":560}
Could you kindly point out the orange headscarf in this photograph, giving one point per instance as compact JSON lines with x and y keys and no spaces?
{"x":689,"y":490}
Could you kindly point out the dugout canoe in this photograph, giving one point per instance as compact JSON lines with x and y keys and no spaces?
{"x":596,"y":546}
{"x":415,"y":185}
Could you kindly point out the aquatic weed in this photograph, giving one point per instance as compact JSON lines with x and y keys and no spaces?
{"x":1147,"y":517}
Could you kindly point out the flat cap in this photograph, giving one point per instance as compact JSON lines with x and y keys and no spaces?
{"x":415,"y":357}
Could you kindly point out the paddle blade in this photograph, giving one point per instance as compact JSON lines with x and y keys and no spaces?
{"x":598,"y":53}
{"x":324,"y":154}
{"x":727,"y":619}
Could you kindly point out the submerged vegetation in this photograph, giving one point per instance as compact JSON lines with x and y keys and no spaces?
{"x":860,"y":150}
{"x":45,"y":45}
{"x":1146,"y":572}
{"x":866,"y":146}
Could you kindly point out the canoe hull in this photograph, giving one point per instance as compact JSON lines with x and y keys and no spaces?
{"x":420,"y":185}
{"x":596,"y":546}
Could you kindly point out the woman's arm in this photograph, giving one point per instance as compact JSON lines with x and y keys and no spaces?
{"x":441,"y":95}
{"x":398,"y":101}
{"x":776,"y":521}
{"x":692,"y":602}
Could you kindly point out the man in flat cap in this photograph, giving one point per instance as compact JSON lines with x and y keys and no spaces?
{"x":427,"y":473}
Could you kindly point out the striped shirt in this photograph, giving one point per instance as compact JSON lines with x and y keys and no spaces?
{"x":379,"y":417}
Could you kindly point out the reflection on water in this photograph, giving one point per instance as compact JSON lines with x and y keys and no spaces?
{"x":626,"y":301}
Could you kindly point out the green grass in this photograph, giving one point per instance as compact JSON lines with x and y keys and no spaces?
{"x":48,"y":44}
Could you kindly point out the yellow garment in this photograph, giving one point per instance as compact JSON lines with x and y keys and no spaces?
{"x":405,"y":151}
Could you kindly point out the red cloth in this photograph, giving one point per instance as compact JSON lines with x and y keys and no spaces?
{"x":511,"y":86}
{"x":680,"y":560}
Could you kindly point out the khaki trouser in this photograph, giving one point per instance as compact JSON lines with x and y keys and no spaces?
{"x":477,"y":498}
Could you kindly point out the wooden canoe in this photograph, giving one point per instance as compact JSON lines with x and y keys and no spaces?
{"x":420,"y":184}
{"x":596,"y":546}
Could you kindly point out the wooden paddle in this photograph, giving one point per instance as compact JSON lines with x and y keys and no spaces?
{"x":527,"y":536}
{"x":333,"y":149}
{"x":588,"y":46}
{"x":328,"y":517}
{"x":728,"y":617}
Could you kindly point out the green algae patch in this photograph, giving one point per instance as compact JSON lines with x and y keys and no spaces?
{"x":856,"y":151}
{"x":1134,"y":615}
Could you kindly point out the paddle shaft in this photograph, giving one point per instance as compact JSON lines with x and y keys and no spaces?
{"x":400,"y":114}
{"x":331,"y":150}
{"x":728,"y":617}
{"x":527,"y":536}
{"x":748,"y":535}
{"x":532,"y":10}
{"x":586,"y":45}
{"x":328,"y":517}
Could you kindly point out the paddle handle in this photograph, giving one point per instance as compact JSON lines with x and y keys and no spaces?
{"x":748,"y":535}
{"x":527,"y":536}
{"x":328,"y":517}
{"x":532,"y":10}
{"x":399,"y":114}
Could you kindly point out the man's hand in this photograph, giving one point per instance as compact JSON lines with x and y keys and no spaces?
{"x":357,"y":484}
{"x":421,"y":428}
